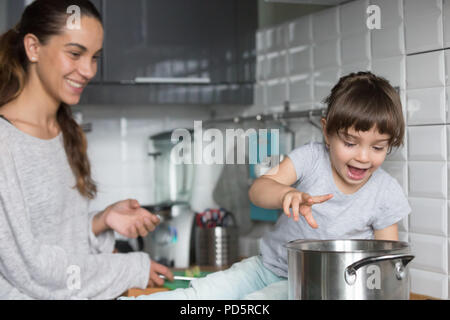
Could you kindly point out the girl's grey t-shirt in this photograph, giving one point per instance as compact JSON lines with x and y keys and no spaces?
{"x":378,"y":204}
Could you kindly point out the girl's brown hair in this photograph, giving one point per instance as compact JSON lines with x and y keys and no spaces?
{"x":363,"y":100}
{"x":44,"y":19}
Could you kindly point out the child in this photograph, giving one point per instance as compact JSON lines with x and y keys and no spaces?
{"x":342,"y":192}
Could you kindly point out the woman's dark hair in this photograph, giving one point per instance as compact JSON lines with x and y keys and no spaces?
{"x":362,"y":101}
{"x":44,"y":19}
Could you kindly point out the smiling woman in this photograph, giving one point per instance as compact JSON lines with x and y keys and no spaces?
{"x":41,"y":56}
{"x":52,"y":247}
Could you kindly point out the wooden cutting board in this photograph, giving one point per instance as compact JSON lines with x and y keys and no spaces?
{"x":139,"y":292}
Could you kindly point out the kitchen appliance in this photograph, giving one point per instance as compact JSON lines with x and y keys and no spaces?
{"x":173,"y":181}
{"x":170,"y":242}
{"x":348,"y":269}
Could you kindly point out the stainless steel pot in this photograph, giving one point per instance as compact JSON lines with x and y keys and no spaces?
{"x":348,"y":269}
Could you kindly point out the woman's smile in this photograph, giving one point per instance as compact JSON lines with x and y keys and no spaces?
{"x":76,"y":87}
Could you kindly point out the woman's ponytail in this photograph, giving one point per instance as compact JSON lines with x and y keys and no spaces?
{"x":75,"y":144}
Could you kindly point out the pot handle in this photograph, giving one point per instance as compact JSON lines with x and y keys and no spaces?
{"x":350,"y":271}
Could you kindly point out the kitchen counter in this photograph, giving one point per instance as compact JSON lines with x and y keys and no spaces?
{"x":138,"y":292}
{"x":414,"y":296}
{"x":147,"y":291}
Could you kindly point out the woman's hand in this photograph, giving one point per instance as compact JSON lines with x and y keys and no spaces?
{"x":155,"y":270}
{"x":301,"y":203}
{"x":129,"y":219}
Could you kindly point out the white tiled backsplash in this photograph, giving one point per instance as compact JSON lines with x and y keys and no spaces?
{"x":118,"y":147}
{"x":408,"y":50}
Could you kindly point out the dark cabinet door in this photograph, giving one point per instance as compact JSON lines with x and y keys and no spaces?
{"x":246,"y":26}
{"x":15,"y":10}
{"x":168,"y":39}
{"x":125,"y":42}
{"x":98,"y":76}
{"x":221,"y":30}
{"x":160,"y":39}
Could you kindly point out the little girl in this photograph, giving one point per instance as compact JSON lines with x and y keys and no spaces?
{"x":342,"y":192}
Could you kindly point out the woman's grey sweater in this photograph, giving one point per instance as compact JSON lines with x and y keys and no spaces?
{"x":47,"y":247}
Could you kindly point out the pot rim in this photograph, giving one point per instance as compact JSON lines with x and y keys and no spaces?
{"x":402,"y":245}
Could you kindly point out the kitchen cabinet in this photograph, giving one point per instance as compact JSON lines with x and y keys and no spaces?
{"x":14,"y":9}
{"x":98,"y":76}
{"x":3,"y":16}
{"x":177,"y":38}
{"x":150,"y":42}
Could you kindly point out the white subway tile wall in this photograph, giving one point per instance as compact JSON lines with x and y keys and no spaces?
{"x":446,"y":22}
{"x":388,"y":41}
{"x":118,"y":147}
{"x":410,"y":51}
{"x":425,"y":70}
{"x":355,"y":48}
{"x":325,"y":24}
{"x":324,"y":80}
{"x":300,"y":32}
{"x":352,"y":17}
{"x":423,"y":25}
{"x":392,"y":68}
{"x":391,"y":11}
{"x":327,"y":54}
{"x":426,"y":106}
{"x":427,"y":143}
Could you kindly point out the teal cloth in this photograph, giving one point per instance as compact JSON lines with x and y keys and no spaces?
{"x":181,"y":284}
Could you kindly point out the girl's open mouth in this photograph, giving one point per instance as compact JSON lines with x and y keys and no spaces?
{"x":356,"y":173}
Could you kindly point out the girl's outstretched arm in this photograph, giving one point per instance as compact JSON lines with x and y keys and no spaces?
{"x":268,"y":190}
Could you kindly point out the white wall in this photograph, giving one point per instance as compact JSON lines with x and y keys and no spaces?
{"x":301,"y":60}
{"x":118,"y":147}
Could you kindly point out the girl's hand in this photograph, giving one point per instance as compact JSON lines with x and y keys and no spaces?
{"x":129,"y":219}
{"x":155,"y":270}
{"x":301,"y":203}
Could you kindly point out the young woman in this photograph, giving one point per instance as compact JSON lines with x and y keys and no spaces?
{"x":51,"y":247}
